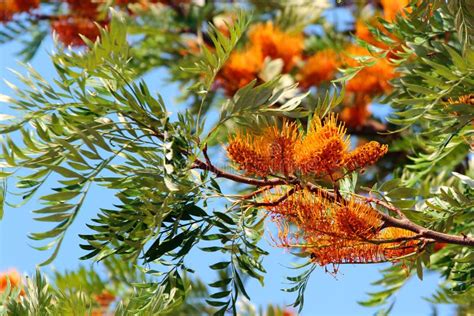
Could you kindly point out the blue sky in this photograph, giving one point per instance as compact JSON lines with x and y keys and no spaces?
{"x":325,"y":295}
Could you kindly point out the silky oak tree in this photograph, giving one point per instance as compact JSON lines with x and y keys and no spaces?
{"x":290,"y":99}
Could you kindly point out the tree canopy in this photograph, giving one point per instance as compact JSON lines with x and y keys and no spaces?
{"x":289,"y":96}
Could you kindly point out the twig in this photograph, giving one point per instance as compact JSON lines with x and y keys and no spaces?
{"x":388,"y":220}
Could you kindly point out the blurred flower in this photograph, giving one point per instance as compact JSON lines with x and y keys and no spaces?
{"x":15,"y":280}
{"x":23,"y":5}
{"x":373,"y":79}
{"x":241,"y":68}
{"x":464,"y":99}
{"x":320,"y":67}
{"x":68,"y":29}
{"x":10,"y":7}
{"x":275,"y":43}
{"x":6,"y":12}
{"x":356,"y":110}
{"x":362,"y":32}
{"x":105,"y":298}
{"x":392,"y":7}
{"x":85,"y":8}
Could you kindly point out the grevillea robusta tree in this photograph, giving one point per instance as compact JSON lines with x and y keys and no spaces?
{"x":287,"y":95}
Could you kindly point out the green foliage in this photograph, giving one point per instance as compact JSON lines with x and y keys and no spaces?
{"x":300,"y":282}
{"x":97,"y":124}
{"x":213,"y":61}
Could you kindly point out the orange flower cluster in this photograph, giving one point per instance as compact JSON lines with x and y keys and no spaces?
{"x":81,"y":21}
{"x":393,"y":7}
{"x":356,"y":110}
{"x":10,"y":7}
{"x":265,"y":40}
{"x":15,"y":280}
{"x":275,"y":43}
{"x":338,"y":232}
{"x":371,"y":80}
{"x":104,"y":300}
{"x":323,"y":150}
{"x":240,"y":69}
{"x":271,"y":152}
{"x":464,"y":99}
{"x":69,"y":29}
{"x":319,"y":68}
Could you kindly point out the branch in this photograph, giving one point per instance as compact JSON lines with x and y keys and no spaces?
{"x":389,"y":221}
{"x":279,"y":200}
{"x":404,"y":222}
{"x":199,"y":164}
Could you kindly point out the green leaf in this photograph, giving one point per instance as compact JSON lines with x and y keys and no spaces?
{"x":220,"y":265}
{"x":158,"y":248}
{"x":61,"y":196}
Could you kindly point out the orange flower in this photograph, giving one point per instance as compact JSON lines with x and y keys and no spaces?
{"x":357,"y":113}
{"x":395,"y":250}
{"x":364,"y":155}
{"x":320,"y":67}
{"x":392,"y":7}
{"x":464,"y":99}
{"x":323,"y":148}
{"x":268,"y":153}
{"x":266,"y":40}
{"x":23,"y":5}
{"x":85,"y":8}
{"x":275,"y":43}
{"x":371,"y":80}
{"x":438,"y":246}
{"x":105,"y":298}
{"x":9,"y":7}
{"x":68,"y":29}
{"x":6,"y":11}
{"x":15,"y":280}
{"x":240,"y":69}
{"x":362,"y":32}
{"x":338,"y":232}
{"x":331,"y":232}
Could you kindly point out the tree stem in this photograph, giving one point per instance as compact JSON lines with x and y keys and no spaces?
{"x":388,"y":220}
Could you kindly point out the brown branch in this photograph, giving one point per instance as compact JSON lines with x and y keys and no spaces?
{"x":385,"y":205}
{"x":388,"y":220}
{"x":199,"y":164}
{"x":254,"y":193}
{"x":279,"y":200}
{"x":404,"y":223}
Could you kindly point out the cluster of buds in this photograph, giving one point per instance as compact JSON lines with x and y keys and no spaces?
{"x":337,"y":232}
{"x":322,"y":151}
